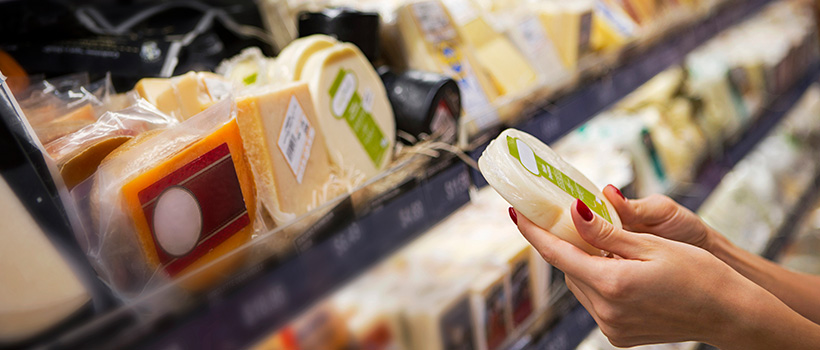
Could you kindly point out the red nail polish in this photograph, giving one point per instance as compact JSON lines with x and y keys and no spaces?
{"x":618,"y":192}
{"x":513,"y":216}
{"x":583,"y":209}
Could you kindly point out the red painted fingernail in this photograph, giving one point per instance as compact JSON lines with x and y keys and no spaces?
{"x":618,"y":192}
{"x":583,"y":209}
{"x":513,"y":216}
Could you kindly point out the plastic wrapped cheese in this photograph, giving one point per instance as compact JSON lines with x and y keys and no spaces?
{"x":541,"y":185}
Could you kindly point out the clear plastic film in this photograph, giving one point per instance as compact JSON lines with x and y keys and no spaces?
{"x":541,"y":185}
{"x":151,"y":213}
{"x":78,"y":154}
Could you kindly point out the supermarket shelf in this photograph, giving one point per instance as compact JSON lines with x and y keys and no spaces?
{"x":713,"y":171}
{"x":576,"y":324}
{"x":575,"y":108}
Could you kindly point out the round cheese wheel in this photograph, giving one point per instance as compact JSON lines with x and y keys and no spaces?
{"x":293,"y":58}
{"x":354,"y":113}
{"x":541,"y":185}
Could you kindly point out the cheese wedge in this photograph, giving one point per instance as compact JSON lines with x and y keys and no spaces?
{"x":611,"y":27}
{"x":292,"y":59}
{"x":354,"y":114}
{"x":508,"y":69}
{"x":285,"y":148}
{"x":184,"y":96}
{"x":37,"y":287}
{"x":541,"y":185}
{"x":195,"y":206}
{"x":433,"y":43}
{"x":569,"y":25}
{"x":489,"y":299}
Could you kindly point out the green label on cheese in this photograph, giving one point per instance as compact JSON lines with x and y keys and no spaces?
{"x":346,"y":103}
{"x":539,"y":167}
{"x":250,"y":79}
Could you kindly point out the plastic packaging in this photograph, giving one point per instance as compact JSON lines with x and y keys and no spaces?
{"x":541,"y":185}
{"x":79,"y":154}
{"x":142,"y":206}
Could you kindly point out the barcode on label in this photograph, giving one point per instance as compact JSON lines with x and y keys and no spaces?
{"x":296,"y":139}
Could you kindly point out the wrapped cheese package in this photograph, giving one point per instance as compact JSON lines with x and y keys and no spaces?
{"x":169,"y":202}
{"x":541,"y":185}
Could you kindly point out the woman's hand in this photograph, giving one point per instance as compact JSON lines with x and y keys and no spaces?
{"x":661,"y":216}
{"x":660,"y":291}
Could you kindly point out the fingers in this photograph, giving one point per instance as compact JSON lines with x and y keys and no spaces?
{"x":648,"y":211}
{"x":557,"y":252}
{"x":601,"y":234}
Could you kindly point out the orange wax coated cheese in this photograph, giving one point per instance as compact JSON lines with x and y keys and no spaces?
{"x":195,"y":206}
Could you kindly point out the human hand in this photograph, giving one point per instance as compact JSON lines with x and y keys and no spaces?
{"x":659,"y":291}
{"x":661,"y":216}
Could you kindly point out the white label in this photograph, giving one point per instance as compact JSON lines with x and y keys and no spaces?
{"x":296,"y":139}
{"x":367,"y":100}
{"x":433,"y":21}
{"x":527,"y":157}
{"x":342,"y":97}
{"x":462,"y":11}
{"x":533,"y":34}
{"x":474,"y":100}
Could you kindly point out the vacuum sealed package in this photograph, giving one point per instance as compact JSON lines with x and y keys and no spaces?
{"x":169,"y":202}
{"x":186,"y":95}
{"x":79,"y":154}
{"x":541,"y":185}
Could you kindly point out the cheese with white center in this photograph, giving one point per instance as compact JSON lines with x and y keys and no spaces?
{"x":37,"y":287}
{"x":541,"y":185}
{"x":249,"y":68}
{"x":353,"y":112}
{"x":286,"y":150}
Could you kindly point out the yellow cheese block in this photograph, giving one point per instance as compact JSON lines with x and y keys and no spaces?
{"x":354,"y":114}
{"x":611,"y":27}
{"x":285,"y":148}
{"x":507,"y":68}
{"x":293,"y":57}
{"x":184,"y":96}
{"x":433,"y":43}
{"x":210,"y":185}
{"x":38,"y":289}
{"x":569,"y":25}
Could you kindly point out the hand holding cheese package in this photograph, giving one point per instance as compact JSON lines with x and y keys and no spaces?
{"x":541,"y":185}
{"x":171,"y":204}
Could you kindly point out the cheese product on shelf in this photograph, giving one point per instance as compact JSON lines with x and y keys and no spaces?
{"x":38,"y":288}
{"x":170,"y":202}
{"x":541,"y":185}
{"x":285,"y":148}
{"x":353,"y":111}
{"x":184,"y":96}
{"x":249,"y":68}
{"x":530,"y":36}
{"x":569,"y":25}
{"x":510,"y":72}
{"x":293,"y":57}
{"x":611,"y":27}
{"x":432,"y":42}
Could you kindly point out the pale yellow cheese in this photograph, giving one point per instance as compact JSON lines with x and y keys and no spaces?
{"x":37,"y":288}
{"x":569,"y":26}
{"x":353,"y":111}
{"x":184,"y":96}
{"x":293,"y":57}
{"x":286,"y":188}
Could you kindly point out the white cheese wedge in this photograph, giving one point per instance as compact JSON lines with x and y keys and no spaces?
{"x":353,"y":111}
{"x":541,"y":185}
{"x":37,"y":287}
{"x":286,"y":150}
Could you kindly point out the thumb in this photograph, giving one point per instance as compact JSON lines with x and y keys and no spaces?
{"x":640,"y":213}
{"x":602,"y":235}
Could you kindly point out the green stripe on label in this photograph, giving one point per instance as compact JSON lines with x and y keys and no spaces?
{"x":344,"y":93}
{"x":558,"y":178}
{"x":250,"y":79}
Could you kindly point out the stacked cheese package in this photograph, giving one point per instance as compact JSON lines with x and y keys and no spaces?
{"x":470,"y":283}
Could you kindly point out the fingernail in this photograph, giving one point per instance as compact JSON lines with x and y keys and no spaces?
{"x":618,"y":192}
{"x":513,"y":216}
{"x":583,"y":209}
